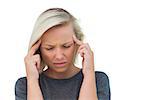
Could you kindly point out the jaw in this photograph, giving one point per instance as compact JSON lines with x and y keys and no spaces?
{"x":61,"y":73}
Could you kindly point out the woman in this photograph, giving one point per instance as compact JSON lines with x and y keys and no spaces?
{"x":51,"y":73}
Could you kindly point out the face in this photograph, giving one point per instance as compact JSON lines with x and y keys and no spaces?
{"x":58,"y":48}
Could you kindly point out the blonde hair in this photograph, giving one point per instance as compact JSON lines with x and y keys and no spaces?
{"x":52,"y":18}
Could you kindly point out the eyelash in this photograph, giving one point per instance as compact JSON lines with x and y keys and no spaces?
{"x":49,"y":48}
{"x":67,"y":46}
{"x":63,"y":46}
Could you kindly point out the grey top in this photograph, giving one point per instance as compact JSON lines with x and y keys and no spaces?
{"x":64,"y":89}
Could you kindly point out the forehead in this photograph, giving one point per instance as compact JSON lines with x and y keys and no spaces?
{"x":62,"y":33}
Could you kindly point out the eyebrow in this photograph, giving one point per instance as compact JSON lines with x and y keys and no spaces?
{"x":62,"y":43}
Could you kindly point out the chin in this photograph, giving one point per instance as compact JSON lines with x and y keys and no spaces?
{"x":58,"y":69}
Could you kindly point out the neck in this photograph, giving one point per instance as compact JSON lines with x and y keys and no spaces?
{"x":71,"y":71}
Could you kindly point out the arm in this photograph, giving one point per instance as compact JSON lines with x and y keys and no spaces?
{"x":88,"y":87}
{"x":20,"y":89}
{"x":33,"y":90}
{"x":33,"y":68}
{"x":103,"y":88}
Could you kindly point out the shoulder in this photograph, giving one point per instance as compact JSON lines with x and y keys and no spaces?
{"x":101,"y":76}
{"x":102,"y":84}
{"x":21,"y":81}
{"x":21,"y":87}
{"x":102,"y":81}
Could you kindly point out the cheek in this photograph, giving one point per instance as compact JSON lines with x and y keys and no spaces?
{"x":47,"y":57}
{"x":70,"y":53}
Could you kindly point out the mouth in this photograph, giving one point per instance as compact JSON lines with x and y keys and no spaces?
{"x":60,"y":64}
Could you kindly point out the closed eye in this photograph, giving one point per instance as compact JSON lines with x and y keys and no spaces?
{"x":67,"y":46}
{"x":49,"y":48}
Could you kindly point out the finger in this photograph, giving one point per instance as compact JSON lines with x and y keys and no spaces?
{"x":81,"y":47}
{"x":38,"y":64}
{"x":82,"y":52}
{"x":34,"y":48}
{"x":88,"y":46}
{"x":77,"y":40}
{"x":37,"y":61}
{"x":85,"y":45}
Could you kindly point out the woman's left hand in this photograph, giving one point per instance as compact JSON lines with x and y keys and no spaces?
{"x":87,"y":54}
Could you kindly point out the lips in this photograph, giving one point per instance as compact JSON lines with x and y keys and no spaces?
{"x":60,"y":64}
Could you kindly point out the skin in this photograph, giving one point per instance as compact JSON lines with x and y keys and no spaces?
{"x":32,"y":63}
{"x":53,"y":49}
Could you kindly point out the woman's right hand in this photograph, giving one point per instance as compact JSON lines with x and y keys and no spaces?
{"x":33,"y":62}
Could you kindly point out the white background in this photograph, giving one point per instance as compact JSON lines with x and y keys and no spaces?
{"x":118,"y":31}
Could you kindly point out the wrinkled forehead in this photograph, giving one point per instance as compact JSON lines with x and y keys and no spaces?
{"x":59,"y":34}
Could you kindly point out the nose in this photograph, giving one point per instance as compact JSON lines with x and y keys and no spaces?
{"x":59,"y":55}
